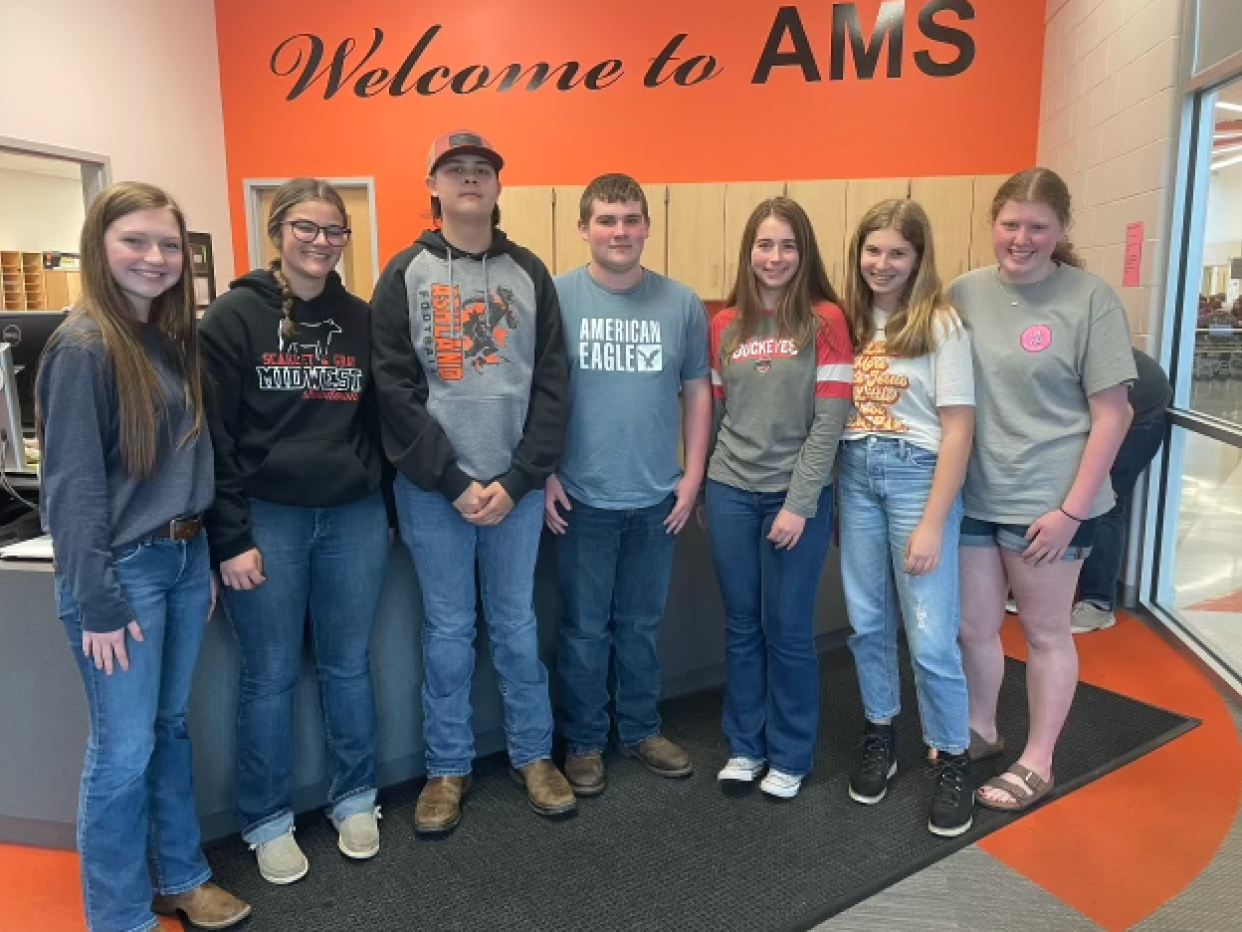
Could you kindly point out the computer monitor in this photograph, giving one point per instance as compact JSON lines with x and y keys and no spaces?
{"x":27,"y":332}
{"x":12,"y":450}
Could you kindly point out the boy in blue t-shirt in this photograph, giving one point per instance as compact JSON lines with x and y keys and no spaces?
{"x":637,"y":345}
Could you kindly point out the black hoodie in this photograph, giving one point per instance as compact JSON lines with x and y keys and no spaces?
{"x":292,"y":420}
{"x":470,"y":366}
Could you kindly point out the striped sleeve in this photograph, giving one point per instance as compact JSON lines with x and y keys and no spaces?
{"x":719,"y":324}
{"x":834,"y":355}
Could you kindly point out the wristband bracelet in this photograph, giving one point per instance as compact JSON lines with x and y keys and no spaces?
{"x":1070,"y":516}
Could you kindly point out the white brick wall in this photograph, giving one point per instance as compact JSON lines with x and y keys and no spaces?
{"x":1107,"y":125}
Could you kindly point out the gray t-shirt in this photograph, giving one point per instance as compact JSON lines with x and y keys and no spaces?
{"x":1040,"y":351}
{"x":629,"y":354}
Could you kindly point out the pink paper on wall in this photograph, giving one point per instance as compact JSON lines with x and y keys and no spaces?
{"x":1133,"y":271}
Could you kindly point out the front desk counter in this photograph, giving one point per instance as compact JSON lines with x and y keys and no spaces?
{"x":43,"y":724}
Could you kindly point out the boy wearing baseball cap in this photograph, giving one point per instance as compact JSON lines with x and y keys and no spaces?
{"x":472,"y":383}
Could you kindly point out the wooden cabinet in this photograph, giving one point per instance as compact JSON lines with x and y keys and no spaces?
{"x":61,"y":289}
{"x":526,"y":217}
{"x":981,"y":253}
{"x":949,"y":203}
{"x":655,"y":255}
{"x":572,"y":251}
{"x":740,"y":202}
{"x":696,"y":240}
{"x":21,"y":281}
{"x":13,"y":295}
{"x":824,"y":203}
{"x":862,"y":194}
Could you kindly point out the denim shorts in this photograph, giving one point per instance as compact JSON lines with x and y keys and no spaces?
{"x":979,"y":533}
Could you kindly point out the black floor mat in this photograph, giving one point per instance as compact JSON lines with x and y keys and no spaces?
{"x":656,"y":854}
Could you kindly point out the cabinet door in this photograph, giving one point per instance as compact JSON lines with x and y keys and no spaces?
{"x":824,"y":203}
{"x":655,"y":254}
{"x":56,"y":286}
{"x":949,"y":203}
{"x":572,"y":250}
{"x":740,"y":201}
{"x":696,"y":243}
{"x":981,"y":254}
{"x":526,"y":218}
{"x":864,"y":193}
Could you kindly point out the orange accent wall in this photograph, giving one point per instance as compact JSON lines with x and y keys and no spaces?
{"x":981,"y":121}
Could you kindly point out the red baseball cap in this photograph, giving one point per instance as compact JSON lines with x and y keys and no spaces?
{"x":462,"y":142}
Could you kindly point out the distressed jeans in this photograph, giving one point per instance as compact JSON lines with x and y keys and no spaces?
{"x":883,"y":489}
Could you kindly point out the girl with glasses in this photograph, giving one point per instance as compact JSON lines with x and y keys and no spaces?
{"x":299,"y":523}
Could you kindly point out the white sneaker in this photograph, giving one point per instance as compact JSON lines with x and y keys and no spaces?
{"x":780,"y":784}
{"x":1088,"y":617}
{"x":742,"y":769}
{"x":359,"y":835}
{"x":281,"y":861}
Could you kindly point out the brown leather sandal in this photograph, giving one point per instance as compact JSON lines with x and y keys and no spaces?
{"x":1029,"y":789}
{"x":981,"y":749}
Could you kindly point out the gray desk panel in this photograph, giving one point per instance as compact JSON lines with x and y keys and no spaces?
{"x":43,"y":724}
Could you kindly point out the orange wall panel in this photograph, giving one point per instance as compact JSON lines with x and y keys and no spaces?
{"x":361,"y":110}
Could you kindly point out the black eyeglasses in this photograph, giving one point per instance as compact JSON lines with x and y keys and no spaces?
{"x":307,"y":231}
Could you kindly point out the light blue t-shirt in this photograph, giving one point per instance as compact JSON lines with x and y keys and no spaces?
{"x":629,"y":354}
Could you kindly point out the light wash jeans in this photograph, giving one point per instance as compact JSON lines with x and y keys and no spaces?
{"x":445,"y":546}
{"x":615,"y":567}
{"x":138,"y":829}
{"x":883,"y":486}
{"x":329,"y":562}
{"x":771,"y":667}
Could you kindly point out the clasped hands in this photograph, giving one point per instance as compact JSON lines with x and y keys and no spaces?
{"x":484,"y":506}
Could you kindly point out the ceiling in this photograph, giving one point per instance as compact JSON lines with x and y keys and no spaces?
{"x":57,"y":168}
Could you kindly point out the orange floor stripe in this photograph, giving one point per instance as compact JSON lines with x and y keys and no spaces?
{"x":1231,"y":603}
{"x":42,"y":892}
{"x":1122,"y":847}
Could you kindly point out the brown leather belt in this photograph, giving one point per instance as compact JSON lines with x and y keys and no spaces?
{"x":181,"y":528}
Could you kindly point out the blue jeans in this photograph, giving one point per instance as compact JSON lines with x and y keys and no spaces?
{"x":330,"y":561}
{"x":138,"y":829}
{"x":772,"y":670}
{"x":882,"y":492}
{"x":1098,"y":582}
{"x":615,"y":568}
{"x":445,"y":548}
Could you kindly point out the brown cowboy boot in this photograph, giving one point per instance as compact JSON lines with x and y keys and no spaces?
{"x":585,"y":773}
{"x":662,"y":757}
{"x":548,"y":791}
{"x":207,"y":907}
{"x":439,"y":805}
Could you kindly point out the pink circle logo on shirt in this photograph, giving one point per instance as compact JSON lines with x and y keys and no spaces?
{"x":1036,"y":339}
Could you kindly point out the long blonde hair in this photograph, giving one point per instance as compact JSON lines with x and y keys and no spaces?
{"x":911,"y":331}
{"x":1043,"y":186}
{"x":138,"y":386}
{"x":795,"y":314}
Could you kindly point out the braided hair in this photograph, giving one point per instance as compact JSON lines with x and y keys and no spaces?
{"x":288,"y":196}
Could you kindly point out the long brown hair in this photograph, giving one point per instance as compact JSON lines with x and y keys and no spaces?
{"x":1043,"y":186}
{"x":795,"y":314}
{"x":911,"y":331}
{"x":288,"y":196}
{"x":102,"y":301}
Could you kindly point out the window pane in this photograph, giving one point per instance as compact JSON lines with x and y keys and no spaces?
{"x":1203,"y":586}
{"x":1217,"y":365}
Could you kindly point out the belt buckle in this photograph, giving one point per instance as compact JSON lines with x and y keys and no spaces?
{"x":178,"y":529}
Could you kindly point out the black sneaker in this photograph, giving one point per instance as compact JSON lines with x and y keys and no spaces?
{"x":952,"y":810}
{"x":869,"y":781}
